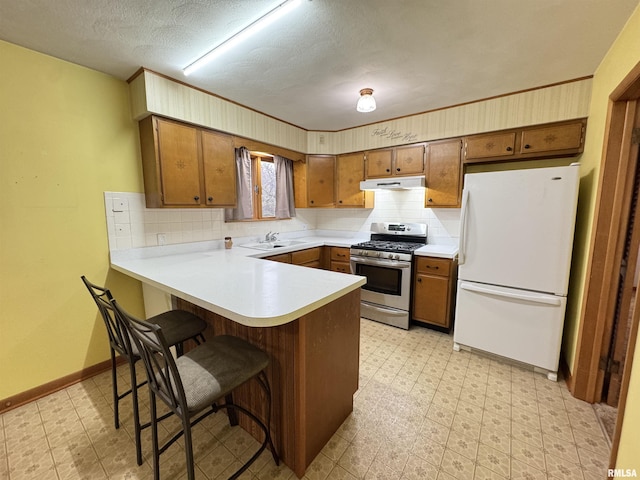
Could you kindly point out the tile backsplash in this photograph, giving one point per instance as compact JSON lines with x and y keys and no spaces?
{"x":131,"y":225}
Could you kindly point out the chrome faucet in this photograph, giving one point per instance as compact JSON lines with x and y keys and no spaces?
{"x":271,"y":237}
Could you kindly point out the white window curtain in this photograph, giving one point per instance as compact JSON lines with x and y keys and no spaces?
{"x":244,"y":208}
{"x":285,"y":206}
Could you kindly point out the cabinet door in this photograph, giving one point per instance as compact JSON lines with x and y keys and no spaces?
{"x":431,"y":299}
{"x":179,"y":163}
{"x":486,"y":146}
{"x":560,"y":137}
{"x":219,"y":165}
{"x":379,"y":163}
{"x":443,"y":174}
{"x":320,"y":180}
{"x":282,"y":258}
{"x":409,"y":160}
{"x":308,"y":255}
{"x":349,"y":174}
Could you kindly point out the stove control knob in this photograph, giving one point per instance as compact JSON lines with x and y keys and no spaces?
{"x":378,"y":254}
{"x":397,"y":257}
{"x":364,"y":253}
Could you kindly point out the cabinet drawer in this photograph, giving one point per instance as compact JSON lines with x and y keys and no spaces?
{"x":434,"y":266}
{"x":343,"y":267}
{"x":486,"y":146}
{"x":305,"y":256}
{"x":340,"y":254}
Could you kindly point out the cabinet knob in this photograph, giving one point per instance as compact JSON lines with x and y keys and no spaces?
{"x":430,"y":200}
{"x":419,"y":280}
{"x":210,"y":199}
{"x":397,"y":169}
{"x":509,"y":149}
{"x":339,"y":201}
{"x":311,"y":201}
{"x":196,"y":198}
{"x":388,"y":170}
{"x":527,"y":146}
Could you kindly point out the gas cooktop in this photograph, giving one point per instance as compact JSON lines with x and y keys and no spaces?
{"x":390,"y":246}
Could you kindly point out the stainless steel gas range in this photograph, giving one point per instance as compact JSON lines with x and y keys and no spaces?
{"x":386,"y":262}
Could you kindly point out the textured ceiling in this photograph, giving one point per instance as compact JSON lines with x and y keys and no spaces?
{"x":307,"y":68}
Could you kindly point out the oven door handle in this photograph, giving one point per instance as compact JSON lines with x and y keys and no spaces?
{"x":382,"y":262}
{"x":386,"y":311}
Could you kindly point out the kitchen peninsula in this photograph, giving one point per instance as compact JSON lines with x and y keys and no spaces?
{"x":307,"y":320}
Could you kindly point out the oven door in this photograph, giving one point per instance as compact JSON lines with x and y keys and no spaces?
{"x":388,"y":281}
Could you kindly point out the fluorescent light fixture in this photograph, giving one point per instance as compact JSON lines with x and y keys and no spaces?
{"x":366,"y":102}
{"x":254,"y":27}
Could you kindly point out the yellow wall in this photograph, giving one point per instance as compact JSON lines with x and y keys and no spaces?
{"x":621,"y":58}
{"x":66,"y":135}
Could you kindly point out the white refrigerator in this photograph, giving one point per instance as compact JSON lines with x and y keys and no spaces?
{"x":516,"y":239}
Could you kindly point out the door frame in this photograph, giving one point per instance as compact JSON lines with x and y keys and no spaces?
{"x":605,"y":252}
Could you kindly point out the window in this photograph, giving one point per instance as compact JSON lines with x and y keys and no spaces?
{"x":264,"y":186}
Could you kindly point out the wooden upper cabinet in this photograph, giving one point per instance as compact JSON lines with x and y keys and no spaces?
{"x":444,"y":174}
{"x":379,"y":163}
{"x":179,"y":163}
{"x":398,"y":161}
{"x":409,"y":160}
{"x":485,"y":146}
{"x":186,"y":166}
{"x":321,"y":180}
{"x":219,"y":164}
{"x":561,"y":137}
{"x":349,"y":174}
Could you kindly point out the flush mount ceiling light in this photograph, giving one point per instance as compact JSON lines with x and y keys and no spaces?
{"x":271,"y":16}
{"x":366,"y":102}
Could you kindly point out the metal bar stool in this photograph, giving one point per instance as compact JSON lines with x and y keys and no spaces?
{"x":178,"y":326}
{"x":190,"y":385}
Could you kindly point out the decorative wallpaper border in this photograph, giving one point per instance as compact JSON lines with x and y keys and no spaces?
{"x":155,"y":94}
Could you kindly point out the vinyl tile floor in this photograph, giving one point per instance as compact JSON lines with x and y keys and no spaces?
{"x":422,"y":412}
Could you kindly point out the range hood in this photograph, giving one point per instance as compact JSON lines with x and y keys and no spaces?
{"x":393,"y":183}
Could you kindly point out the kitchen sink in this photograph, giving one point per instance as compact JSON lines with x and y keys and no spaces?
{"x":273,"y":245}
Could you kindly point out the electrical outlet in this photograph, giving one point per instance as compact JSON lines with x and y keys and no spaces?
{"x":120,"y":205}
{"x":162,"y":238}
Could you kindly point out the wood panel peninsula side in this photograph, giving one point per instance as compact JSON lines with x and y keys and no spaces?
{"x":306,"y":319}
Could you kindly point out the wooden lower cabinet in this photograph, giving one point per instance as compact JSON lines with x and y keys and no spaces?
{"x":313,"y":372}
{"x":340,"y":260}
{"x":282,"y":258}
{"x":309,"y":257}
{"x":434,"y":291}
{"x":335,"y":259}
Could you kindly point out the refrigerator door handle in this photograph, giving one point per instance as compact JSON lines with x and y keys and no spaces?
{"x":463,"y":227}
{"x":547,"y":300}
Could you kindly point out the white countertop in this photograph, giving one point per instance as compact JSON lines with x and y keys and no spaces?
{"x":238,"y":285}
{"x":441,"y":251}
{"x":233,"y":284}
